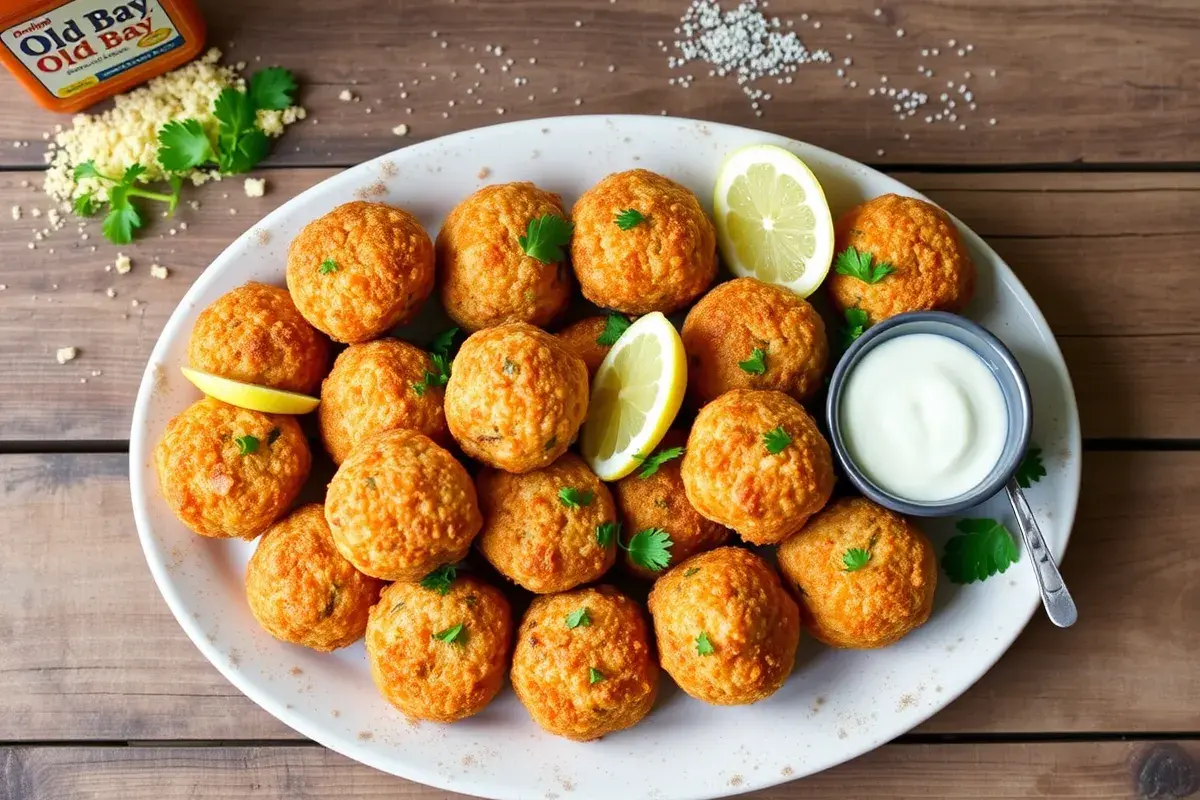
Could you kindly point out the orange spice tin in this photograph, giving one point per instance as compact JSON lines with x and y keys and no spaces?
{"x":70,"y":54}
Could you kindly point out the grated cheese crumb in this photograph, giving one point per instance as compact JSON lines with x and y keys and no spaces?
{"x":16,"y":212}
{"x":123,"y":264}
{"x":255,"y":187}
{"x":400,"y":130}
{"x":346,"y":96}
{"x":111,"y":292}
{"x":65,"y":354}
{"x":159,"y":271}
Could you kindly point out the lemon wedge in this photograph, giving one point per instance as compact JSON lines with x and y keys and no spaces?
{"x":636,"y":394}
{"x":772,"y":219}
{"x":250,"y":395}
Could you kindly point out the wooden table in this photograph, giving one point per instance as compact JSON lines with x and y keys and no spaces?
{"x":1086,"y":185}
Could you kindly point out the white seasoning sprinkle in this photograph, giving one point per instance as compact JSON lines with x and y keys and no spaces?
{"x":879,"y":152}
{"x":992,"y":121}
{"x":111,"y":292}
{"x":952,"y":42}
{"x":578,"y":101}
{"x":849,"y":37}
{"x":879,"y":12}
{"x":64,"y":354}
{"x":899,"y":33}
{"x":346,"y":95}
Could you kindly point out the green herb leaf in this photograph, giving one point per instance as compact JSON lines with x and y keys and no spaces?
{"x":606,"y":532}
{"x":756,"y":364}
{"x":246,"y":151}
{"x":690,"y":571}
{"x":983,"y":548}
{"x":1031,"y":469}
{"x":85,"y":205}
{"x":440,"y":579}
{"x":419,"y":388}
{"x":371,"y":481}
{"x":855,"y":558}
{"x":247,"y":444}
{"x":176,"y":184}
{"x":132,"y":173}
{"x":274,"y":435}
{"x":123,"y":219}
{"x":776,"y":440}
{"x":578,"y":617}
{"x":650,"y":464}
{"x":573,"y":498}
{"x":546,"y":237}
{"x":272,"y":88}
{"x":234,"y":111}
{"x":857,"y":321}
{"x":327,"y":266}
{"x":440,"y":374}
{"x":443,"y":342}
{"x":629,"y":218}
{"x":857,"y":264}
{"x":183,"y":145}
{"x":594,"y":676}
{"x":88,"y":170}
{"x":703,"y":645}
{"x":457,"y":634}
{"x":614,"y":326}
{"x":650,"y":549}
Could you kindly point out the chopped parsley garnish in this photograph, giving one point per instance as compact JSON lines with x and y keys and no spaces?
{"x":983,"y":548}
{"x":443,"y":343}
{"x":703,"y":645}
{"x":756,"y":364}
{"x":651,"y":463}
{"x":776,"y":440}
{"x":246,"y":444}
{"x":578,"y":618}
{"x":606,"y":532}
{"x":1031,"y":469}
{"x":690,"y":571}
{"x":856,"y":558}
{"x":274,"y":435}
{"x":857,"y":264}
{"x":441,"y":364}
{"x":629,"y":218}
{"x":371,"y":481}
{"x":614,"y":326}
{"x":452,"y":635}
{"x":650,"y":549}
{"x":573,"y":498}
{"x":857,"y":321}
{"x":327,"y":266}
{"x":594,"y":676}
{"x":123,"y":217}
{"x":440,"y":580}
{"x":546,"y":237}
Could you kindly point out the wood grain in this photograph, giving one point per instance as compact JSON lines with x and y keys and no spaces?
{"x":1082,"y":82}
{"x":1099,"y":771}
{"x":1108,"y":257}
{"x":92,"y":653}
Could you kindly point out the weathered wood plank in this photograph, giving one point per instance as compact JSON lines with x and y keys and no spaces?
{"x":92,"y":653}
{"x":1108,"y":257}
{"x":1121,"y":70}
{"x":1096,"y":771}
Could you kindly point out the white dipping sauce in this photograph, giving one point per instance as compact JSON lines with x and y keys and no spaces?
{"x":923,"y":417}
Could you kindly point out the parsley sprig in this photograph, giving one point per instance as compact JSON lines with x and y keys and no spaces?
{"x":704,"y":645}
{"x":440,"y":580}
{"x":1031,"y":469}
{"x":629,"y":218}
{"x":857,"y":322}
{"x":983,"y":548}
{"x":614,"y":326}
{"x":606,"y":532}
{"x":651,"y":463}
{"x":756,"y":364}
{"x":439,"y":357}
{"x":594,"y":676}
{"x":454,"y":635}
{"x":247,"y":444}
{"x":545,"y":238}
{"x":571,"y":497}
{"x":856,"y":263}
{"x":123,"y":217}
{"x":856,"y":558}
{"x":650,"y":549}
{"x":775,"y":440}
{"x":579,"y":619}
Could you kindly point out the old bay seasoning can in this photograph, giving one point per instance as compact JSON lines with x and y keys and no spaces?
{"x":70,"y":54}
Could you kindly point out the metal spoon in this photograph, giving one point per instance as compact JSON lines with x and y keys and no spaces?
{"x":1055,"y":597}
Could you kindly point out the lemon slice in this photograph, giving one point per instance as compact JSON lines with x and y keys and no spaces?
{"x":772,"y":219}
{"x":636,"y":394}
{"x":250,"y":395}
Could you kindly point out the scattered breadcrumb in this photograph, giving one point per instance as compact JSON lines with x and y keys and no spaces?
{"x":16,"y":212}
{"x":111,"y":292}
{"x":65,"y":354}
{"x":346,"y":96}
{"x":123,"y":264}
{"x":400,"y":130}
{"x":159,"y":271}
{"x":255,"y":187}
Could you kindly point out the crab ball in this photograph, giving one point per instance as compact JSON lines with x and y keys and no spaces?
{"x":487,"y":276}
{"x":400,"y":506}
{"x":586,"y":339}
{"x":375,"y":387}
{"x":727,"y":630}
{"x":516,"y":397}
{"x":932,"y":268}
{"x":229,"y":472}
{"x":642,"y":243}
{"x":301,"y":589}
{"x":360,"y":270}
{"x":756,"y":462}
{"x":864,"y":576}
{"x":439,"y":656}
{"x":584,"y":666}
{"x":746,"y":334}
{"x":254,"y":334}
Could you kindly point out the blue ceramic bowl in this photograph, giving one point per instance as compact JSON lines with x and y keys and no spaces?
{"x":1002,"y":365}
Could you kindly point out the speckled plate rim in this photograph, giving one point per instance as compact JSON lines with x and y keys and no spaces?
{"x":706,"y":780}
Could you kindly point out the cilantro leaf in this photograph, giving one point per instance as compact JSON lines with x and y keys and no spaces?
{"x":650,"y":549}
{"x":756,"y":364}
{"x":440,"y":580}
{"x":983,"y":548}
{"x":857,"y":321}
{"x":132,"y":173}
{"x":855,"y":558}
{"x":857,"y":264}
{"x":443,"y":342}
{"x":88,"y":170}
{"x":85,"y":205}
{"x":234,"y":112}
{"x":703,"y":645}
{"x":455,"y":635}
{"x":327,"y":266}
{"x":176,"y":184}
{"x":122,"y":217}
{"x":183,"y":145}
{"x":606,"y":532}
{"x":650,"y":464}
{"x":247,"y":444}
{"x":272,"y":88}
{"x":419,"y":388}
{"x":594,"y":676}
{"x":546,"y":237}
{"x":248,"y":149}
{"x":776,"y":440}
{"x":1031,"y":469}
{"x":573,"y":498}
{"x":629,"y":218}
{"x":614,"y":326}
{"x":577,"y":618}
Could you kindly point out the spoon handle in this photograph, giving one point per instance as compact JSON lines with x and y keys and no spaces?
{"x":1055,"y":597}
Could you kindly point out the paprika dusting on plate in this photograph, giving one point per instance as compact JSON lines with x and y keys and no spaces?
{"x":73,"y":53}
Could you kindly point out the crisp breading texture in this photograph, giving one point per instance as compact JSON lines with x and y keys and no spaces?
{"x":735,"y":600}
{"x":213,"y":487}
{"x":581,"y":339}
{"x":873,"y":606}
{"x":428,"y":678}
{"x":301,"y":589}
{"x":590,"y":680}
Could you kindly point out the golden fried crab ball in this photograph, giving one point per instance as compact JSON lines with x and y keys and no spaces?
{"x":727,"y":630}
{"x":254,"y":334}
{"x":516,"y":397}
{"x":360,"y":270}
{"x":932,"y":266}
{"x":746,"y":334}
{"x":439,"y":656}
{"x":584,"y":666}
{"x":229,"y":472}
{"x":375,"y":387}
{"x":583,"y":338}
{"x":658,"y":501}
{"x":756,"y":462}
{"x":550,"y":529}
{"x":487,"y":277}
{"x":301,"y":589}
{"x":401,"y":506}
{"x":642,"y":243}
{"x":864,"y":576}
